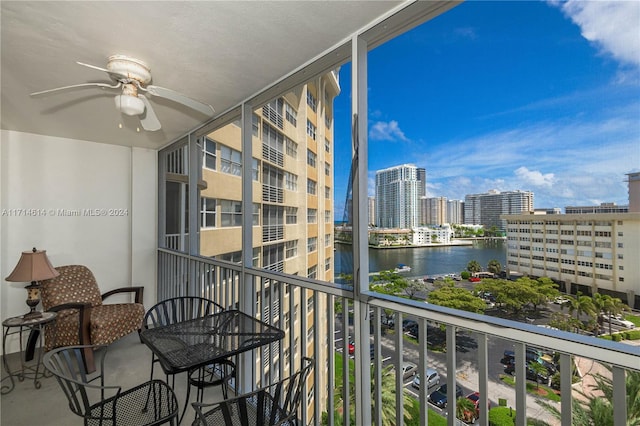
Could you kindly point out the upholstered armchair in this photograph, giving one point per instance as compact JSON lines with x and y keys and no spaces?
{"x":82,"y":318}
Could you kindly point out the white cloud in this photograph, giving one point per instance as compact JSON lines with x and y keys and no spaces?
{"x":534,"y":177}
{"x":611,"y":25}
{"x":386,"y":131}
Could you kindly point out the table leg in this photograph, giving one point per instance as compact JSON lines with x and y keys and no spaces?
{"x":5,"y":389}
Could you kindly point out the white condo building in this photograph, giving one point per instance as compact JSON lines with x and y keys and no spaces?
{"x":397,"y":197}
{"x":455,"y":211}
{"x":583,"y":252}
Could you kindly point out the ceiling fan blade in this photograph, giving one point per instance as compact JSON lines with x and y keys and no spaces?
{"x":150,"y":120}
{"x":172,"y":95}
{"x":92,"y":66}
{"x":101,"y":85}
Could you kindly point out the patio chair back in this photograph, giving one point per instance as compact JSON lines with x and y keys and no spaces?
{"x":274,"y":405}
{"x":179,"y":309}
{"x":150,"y":403}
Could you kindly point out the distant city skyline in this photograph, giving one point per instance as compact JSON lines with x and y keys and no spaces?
{"x":532,"y":96}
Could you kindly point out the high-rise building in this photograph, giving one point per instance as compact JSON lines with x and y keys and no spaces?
{"x":455,"y":211}
{"x":422,"y":181}
{"x":397,"y":197}
{"x":634,"y":192}
{"x":486,"y":209}
{"x":292,"y":206}
{"x":435,"y":211}
{"x":372,"y":210}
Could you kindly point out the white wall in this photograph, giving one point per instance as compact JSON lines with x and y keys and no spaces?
{"x":42,"y":178}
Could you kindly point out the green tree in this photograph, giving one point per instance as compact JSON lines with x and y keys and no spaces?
{"x":387,"y":393}
{"x":414,"y":287}
{"x":465,"y":410}
{"x":494,"y":266}
{"x":447,"y":294}
{"x":539,"y":370}
{"x":473,"y":266}
{"x":595,"y":408}
{"x":582,"y":304}
{"x":545,"y":290}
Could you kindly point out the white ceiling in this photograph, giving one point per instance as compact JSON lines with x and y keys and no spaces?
{"x":218,"y":52}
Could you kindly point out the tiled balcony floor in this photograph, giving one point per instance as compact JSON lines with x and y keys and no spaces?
{"x":128,"y":363}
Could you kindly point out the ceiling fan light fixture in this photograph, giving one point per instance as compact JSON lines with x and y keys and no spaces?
{"x":129,"y":105}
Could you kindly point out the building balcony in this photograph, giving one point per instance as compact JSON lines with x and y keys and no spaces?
{"x":311,"y":314}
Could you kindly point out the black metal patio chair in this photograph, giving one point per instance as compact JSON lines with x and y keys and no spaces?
{"x":147,"y":404}
{"x":274,"y":405}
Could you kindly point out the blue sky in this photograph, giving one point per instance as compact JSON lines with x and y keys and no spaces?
{"x":520,"y":95}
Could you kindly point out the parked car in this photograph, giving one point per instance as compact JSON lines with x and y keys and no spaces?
{"x":531,"y":374}
{"x":409,"y":369}
{"x":618,"y":320}
{"x":439,"y":396}
{"x":433,"y":379}
{"x":475,"y":279}
{"x":352,"y":348}
{"x":561,"y":300}
{"x":408,"y":324}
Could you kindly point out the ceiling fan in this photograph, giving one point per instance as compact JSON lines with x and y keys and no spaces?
{"x":133,"y":76}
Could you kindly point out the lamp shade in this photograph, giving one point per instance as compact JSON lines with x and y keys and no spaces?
{"x":33,"y":266}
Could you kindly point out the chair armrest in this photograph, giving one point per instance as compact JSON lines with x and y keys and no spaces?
{"x":139,"y":291}
{"x":84,"y":319}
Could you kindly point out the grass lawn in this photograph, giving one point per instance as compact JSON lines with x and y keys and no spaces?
{"x":541,"y":391}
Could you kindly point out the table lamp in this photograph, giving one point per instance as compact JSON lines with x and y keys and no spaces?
{"x":33,"y":266}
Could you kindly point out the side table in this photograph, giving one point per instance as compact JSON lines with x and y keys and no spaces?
{"x":19,"y":325}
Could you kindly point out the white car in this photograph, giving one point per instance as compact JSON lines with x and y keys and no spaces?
{"x":433,"y":379}
{"x":619,"y":321}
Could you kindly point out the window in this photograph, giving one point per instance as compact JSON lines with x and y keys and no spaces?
{"x":327,"y":145}
{"x":327,"y":168}
{"x":312,"y":244}
{"x":327,"y":121}
{"x":291,"y":181}
{"x":230,"y":213}
{"x":311,"y":186}
{"x":327,"y":216}
{"x":255,"y":125}
{"x":311,"y":158}
{"x":256,"y":214}
{"x":292,"y":148}
{"x":255,"y":169}
{"x":310,"y":304}
{"x":208,"y":212}
{"x":209,"y":154}
{"x":327,"y":192}
{"x":311,"y":101}
{"x":312,"y":216}
{"x":327,"y":240}
{"x":292,"y":215}
{"x":291,"y":248}
{"x":311,"y":130}
{"x":312,"y":272}
{"x":290,"y":114}
{"x":327,"y":264}
{"x":273,"y":257}
{"x":273,"y":112}
{"x":230,"y":161}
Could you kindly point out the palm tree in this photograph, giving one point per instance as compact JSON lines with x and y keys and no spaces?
{"x":473,"y":266}
{"x":494,"y":266}
{"x":596,"y":410}
{"x":465,"y":410}
{"x":582,"y":304}
{"x":387,"y":394}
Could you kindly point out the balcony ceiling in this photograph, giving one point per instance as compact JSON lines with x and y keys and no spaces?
{"x":218,"y":52}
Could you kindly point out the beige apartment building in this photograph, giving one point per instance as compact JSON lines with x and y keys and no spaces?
{"x":583,"y":252}
{"x":292,"y":206}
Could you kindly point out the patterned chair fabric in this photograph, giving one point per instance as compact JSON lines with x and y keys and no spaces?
{"x":82,"y":317}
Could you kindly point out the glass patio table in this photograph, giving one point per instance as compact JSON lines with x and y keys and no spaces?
{"x":199,"y":342}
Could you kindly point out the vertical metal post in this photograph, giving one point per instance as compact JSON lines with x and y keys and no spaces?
{"x":193,"y":222}
{"x":566,"y":372}
{"x":619,"y":396}
{"x":521,"y":384}
{"x":483,"y":378}
{"x":246,"y":290}
{"x":360,"y":234}
{"x":451,"y":375}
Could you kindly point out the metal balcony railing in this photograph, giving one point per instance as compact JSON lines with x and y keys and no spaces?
{"x":309,"y":311}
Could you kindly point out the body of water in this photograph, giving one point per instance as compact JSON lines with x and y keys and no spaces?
{"x":425,"y":260}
